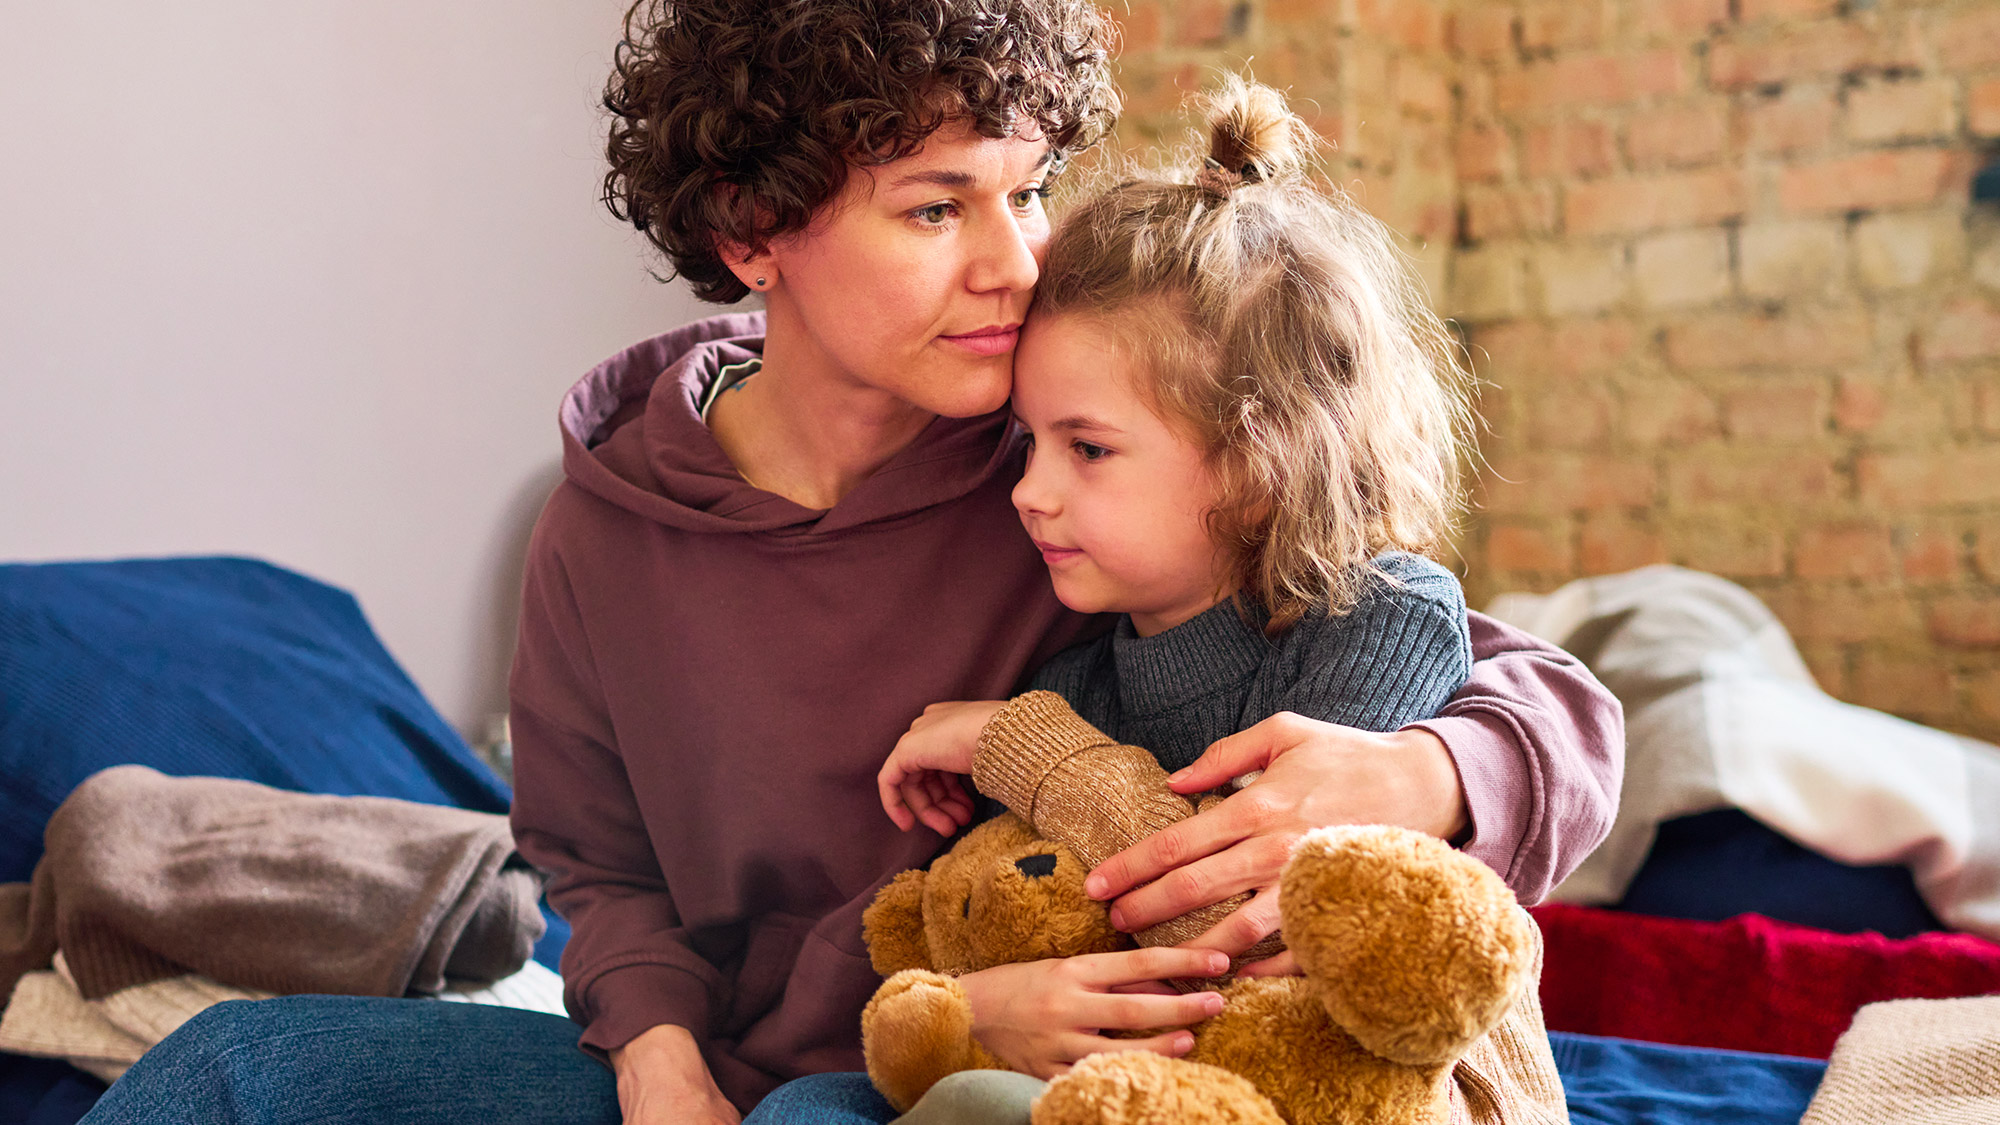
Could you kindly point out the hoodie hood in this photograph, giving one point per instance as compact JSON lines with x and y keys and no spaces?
{"x":632,"y":436}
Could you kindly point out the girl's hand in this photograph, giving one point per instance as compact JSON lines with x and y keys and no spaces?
{"x":920,"y":781}
{"x":1314,"y":774}
{"x":662,"y":1080}
{"x":1042,"y":1016}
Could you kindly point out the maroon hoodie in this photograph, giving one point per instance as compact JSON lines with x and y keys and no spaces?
{"x":709,"y":676}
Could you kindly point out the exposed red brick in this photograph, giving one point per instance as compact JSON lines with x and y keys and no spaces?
{"x":1564,"y":25}
{"x":1933,"y":478}
{"x":1844,"y":551}
{"x":1569,"y":418}
{"x":1570,"y":148}
{"x":1415,"y":24}
{"x":1483,"y":31}
{"x":1843,"y":614}
{"x":1658,"y":412}
{"x":1757,"y":11}
{"x":1611,"y":544}
{"x":1823,"y":338}
{"x":1907,"y":110}
{"x":1828,"y":665}
{"x":1776,"y":412}
{"x":1678,"y":19}
{"x":1984,"y":689}
{"x":1966,"y":622}
{"x":1965,"y":329}
{"x":1733,"y":551}
{"x":1986,"y":550}
{"x":1584,"y":347}
{"x":1742,"y":476}
{"x":1482,"y":152}
{"x":1529,"y":547}
{"x":1911,"y":685}
{"x":1571,"y":81}
{"x":1678,"y":136}
{"x":1806,"y":51}
{"x":1201,"y":23}
{"x":1971,"y":40}
{"x":1892,"y":178}
{"x":1421,"y":89}
{"x":1931,"y":556}
{"x":1651,"y":202}
{"x":1783,"y":126}
{"x":1505,"y":212}
{"x":1138,"y":27}
{"x":1982,"y":108}
{"x":1554,"y":483}
{"x":1859,"y":405}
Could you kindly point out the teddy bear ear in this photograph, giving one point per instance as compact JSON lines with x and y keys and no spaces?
{"x":893,"y":926}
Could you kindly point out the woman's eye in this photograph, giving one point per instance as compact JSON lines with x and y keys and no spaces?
{"x":934,"y":215}
{"x":1090,"y":452}
{"x":1026,"y":197}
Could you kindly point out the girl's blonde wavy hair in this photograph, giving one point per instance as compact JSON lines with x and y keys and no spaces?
{"x":1286,"y":334}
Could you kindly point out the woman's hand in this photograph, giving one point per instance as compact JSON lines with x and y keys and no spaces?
{"x":1042,"y":1016}
{"x":1315,"y":774}
{"x":662,"y":1080}
{"x":920,"y":781}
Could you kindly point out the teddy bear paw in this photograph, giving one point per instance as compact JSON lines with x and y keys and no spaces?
{"x":1143,"y":1088}
{"x":916,"y":1030}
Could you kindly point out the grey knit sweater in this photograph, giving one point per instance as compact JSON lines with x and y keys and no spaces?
{"x":1394,"y":659}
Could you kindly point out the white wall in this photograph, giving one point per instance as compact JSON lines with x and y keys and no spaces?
{"x":306,"y":281}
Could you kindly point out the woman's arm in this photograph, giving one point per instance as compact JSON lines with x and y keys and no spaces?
{"x":1523,"y":764}
{"x":631,"y":977}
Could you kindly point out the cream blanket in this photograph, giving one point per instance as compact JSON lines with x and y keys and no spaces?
{"x":1720,"y":712}
{"x":1914,"y":1062}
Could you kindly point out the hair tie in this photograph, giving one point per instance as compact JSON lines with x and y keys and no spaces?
{"x":1223,"y":181}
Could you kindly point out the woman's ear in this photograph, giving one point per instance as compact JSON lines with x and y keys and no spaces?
{"x":893,"y":926}
{"x":758,"y":271}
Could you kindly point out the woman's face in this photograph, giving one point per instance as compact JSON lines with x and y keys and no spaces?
{"x":916,"y":278}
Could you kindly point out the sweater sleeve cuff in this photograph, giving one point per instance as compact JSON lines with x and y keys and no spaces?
{"x":1497,"y":785}
{"x":1032,"y":735}
{"x":643,"y":996}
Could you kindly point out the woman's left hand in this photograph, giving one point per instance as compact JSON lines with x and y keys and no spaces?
{"x":1315,"y":774}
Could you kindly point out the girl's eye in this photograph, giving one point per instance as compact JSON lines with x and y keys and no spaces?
{"x":1089,"y":452}
{"x":934,"y":215}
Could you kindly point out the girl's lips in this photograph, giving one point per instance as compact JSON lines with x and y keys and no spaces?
{"x":1052,"y":554}
{"x":987,"y":341}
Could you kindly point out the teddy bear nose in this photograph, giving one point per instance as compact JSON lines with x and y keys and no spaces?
{"x":1036,"y":866}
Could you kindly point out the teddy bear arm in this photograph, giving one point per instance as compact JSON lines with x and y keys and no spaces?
{"x":916,"y":1030}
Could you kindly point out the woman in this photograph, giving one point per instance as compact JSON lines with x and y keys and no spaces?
{"x":780,"y":538}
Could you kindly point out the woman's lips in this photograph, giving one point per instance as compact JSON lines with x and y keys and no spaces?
{"x":998,"y":339}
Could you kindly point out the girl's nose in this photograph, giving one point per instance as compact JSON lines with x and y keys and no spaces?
{"x":1031,"y":495}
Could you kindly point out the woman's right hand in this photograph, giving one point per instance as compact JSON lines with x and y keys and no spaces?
{"x":662,"y":1080}
{"x":1040,"y":1017}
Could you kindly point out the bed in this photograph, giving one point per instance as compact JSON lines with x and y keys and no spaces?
{"x":234,"y":667}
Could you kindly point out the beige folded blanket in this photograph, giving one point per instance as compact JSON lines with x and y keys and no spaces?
{"x":1914,"y":1062}
{"x":148,"y":877}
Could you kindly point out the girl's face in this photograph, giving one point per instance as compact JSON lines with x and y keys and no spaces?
{"x":1114,"y":497}
{"x":916,"y":278}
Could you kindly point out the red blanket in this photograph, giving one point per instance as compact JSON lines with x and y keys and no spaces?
{"x":1747,"y":984}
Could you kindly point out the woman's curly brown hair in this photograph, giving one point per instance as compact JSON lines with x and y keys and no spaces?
{"x":776,"y":99}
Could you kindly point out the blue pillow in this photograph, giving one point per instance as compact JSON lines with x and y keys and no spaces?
{"x":214,"y":667}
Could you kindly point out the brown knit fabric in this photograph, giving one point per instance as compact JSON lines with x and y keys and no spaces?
{"x":1510,"y":1076}
{"x":1078,"y":787}
{"x":1914,"y":1062}
{"x":148,"y":876}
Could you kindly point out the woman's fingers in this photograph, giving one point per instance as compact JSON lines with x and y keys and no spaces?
{"x":1251,"y":864}
{"x":1177,"y":844}
{"x":1246,"y":925}
{"x":1282,"y":965}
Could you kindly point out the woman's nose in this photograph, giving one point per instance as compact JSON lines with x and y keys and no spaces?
{"x":1010,"y":260}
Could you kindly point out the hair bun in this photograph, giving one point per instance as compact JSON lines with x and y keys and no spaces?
{"x":1253,"y":136}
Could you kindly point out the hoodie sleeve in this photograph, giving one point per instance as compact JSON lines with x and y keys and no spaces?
{"x":629,"y":965}
{"x":1540,"y":748}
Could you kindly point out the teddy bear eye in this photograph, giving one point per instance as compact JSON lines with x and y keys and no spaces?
{"x":1036,"y":866}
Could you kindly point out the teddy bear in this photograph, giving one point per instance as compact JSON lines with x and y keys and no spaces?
{"x":1416,"y":1003}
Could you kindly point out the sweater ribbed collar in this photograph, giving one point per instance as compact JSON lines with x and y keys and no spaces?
{"x":1211,"y":651}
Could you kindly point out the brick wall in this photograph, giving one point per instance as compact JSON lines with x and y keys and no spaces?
{"x":1718,"y":265}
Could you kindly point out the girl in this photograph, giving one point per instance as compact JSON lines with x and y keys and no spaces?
{"x":1245,"y":426}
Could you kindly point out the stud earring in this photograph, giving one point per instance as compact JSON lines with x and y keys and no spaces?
{"x":761,"y":283}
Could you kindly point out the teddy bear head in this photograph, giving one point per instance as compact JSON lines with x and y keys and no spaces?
{"x":1001,"y":895}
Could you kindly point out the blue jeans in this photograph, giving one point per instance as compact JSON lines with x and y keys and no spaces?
{"x":331,"y":1060}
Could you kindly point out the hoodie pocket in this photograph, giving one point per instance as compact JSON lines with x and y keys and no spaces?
{"x":770,"y":951}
